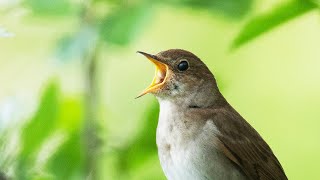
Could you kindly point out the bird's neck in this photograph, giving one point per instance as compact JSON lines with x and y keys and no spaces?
{"x":203,"y":97}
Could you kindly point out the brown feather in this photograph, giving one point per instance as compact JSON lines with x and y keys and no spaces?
{"x":248,"y":149}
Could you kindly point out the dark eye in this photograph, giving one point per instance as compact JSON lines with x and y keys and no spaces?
{"x":183,"y":65}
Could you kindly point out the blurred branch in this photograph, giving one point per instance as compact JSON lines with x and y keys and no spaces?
{"x":120,"y":27}
{"x":90,"y":58}
{"x":2,"y":176}
{"x":92,"y":141}
{"x":264,"y":23}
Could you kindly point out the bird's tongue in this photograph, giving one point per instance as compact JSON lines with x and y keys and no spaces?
{"x":160,"y":75}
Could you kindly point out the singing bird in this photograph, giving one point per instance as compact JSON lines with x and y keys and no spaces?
{"x":200,"y":136}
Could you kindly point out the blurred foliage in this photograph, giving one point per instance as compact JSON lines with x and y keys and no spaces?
{"x":50,"y":8}
{"x":229,"y":8}
{"x":4,"y":33}
{"x":143,"y":145}
{"x":263,"y":23}
{"x":65,"y":159}
{"x":34,"y":133}
{"x":49,"y":145}
{"x":124,"y":24}
{"x":67,"y":162}
{"x":76,"y":45}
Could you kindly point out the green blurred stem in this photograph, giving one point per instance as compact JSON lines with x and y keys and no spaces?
{"x":91,"y":140}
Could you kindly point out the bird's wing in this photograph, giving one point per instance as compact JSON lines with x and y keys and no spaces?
{"x":246,"y":148}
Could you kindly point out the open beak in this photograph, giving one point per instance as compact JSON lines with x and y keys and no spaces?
{"x":160,"y":74}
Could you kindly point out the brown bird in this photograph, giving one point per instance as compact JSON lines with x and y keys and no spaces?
{"x":199,"y":135}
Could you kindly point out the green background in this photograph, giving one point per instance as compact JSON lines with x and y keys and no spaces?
{"x":52,"y":100}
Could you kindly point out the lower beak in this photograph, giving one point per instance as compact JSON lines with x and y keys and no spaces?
{"x":160,"y":74}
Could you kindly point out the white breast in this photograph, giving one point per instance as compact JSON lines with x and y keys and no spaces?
{"x":189,"y":151}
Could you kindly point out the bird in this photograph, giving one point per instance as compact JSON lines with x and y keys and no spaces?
{"x":199,"y":135}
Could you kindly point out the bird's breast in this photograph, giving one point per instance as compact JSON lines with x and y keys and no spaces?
{"x":189,"y":150}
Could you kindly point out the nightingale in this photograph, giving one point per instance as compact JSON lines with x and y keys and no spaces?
{"x":200,"y":136}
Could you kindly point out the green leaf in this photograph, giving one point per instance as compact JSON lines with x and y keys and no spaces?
{"x":266,"y":22}
{"x":71,"y":114}
{"x":38,"y":129}
{"x":144,"y":144}
{"x":68,"y":161}
{"x":42,"y":124}
{"x":229,"y":8}
{"x":49,"y":7}
{"x":316,"y":2}
{"x":124,"y":24}
{"x":77,"y":45}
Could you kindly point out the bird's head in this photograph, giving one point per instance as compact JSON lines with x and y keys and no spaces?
{"x":180,"y":74}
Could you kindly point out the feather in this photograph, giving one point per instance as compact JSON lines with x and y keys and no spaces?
{"x":243,"y":145}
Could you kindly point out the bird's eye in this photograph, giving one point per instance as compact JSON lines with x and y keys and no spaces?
{"x":183,"y":65}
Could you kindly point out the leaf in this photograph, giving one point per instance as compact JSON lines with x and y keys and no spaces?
{"x":266,"y":22}
{"x":317,"y":2}
{"x":77,"y":45}
{"x":36,"y":131}
{"x":124,"y":24}
{"x":229,"y":8}
{"x":68,"y":161}
{"x":50,"y":8}
{"x":42,"y":124}
{"x":144,"y":145}
{"x":71,"y":114}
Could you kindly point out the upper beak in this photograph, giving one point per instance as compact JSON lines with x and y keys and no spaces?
{"x":160,"y":74}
